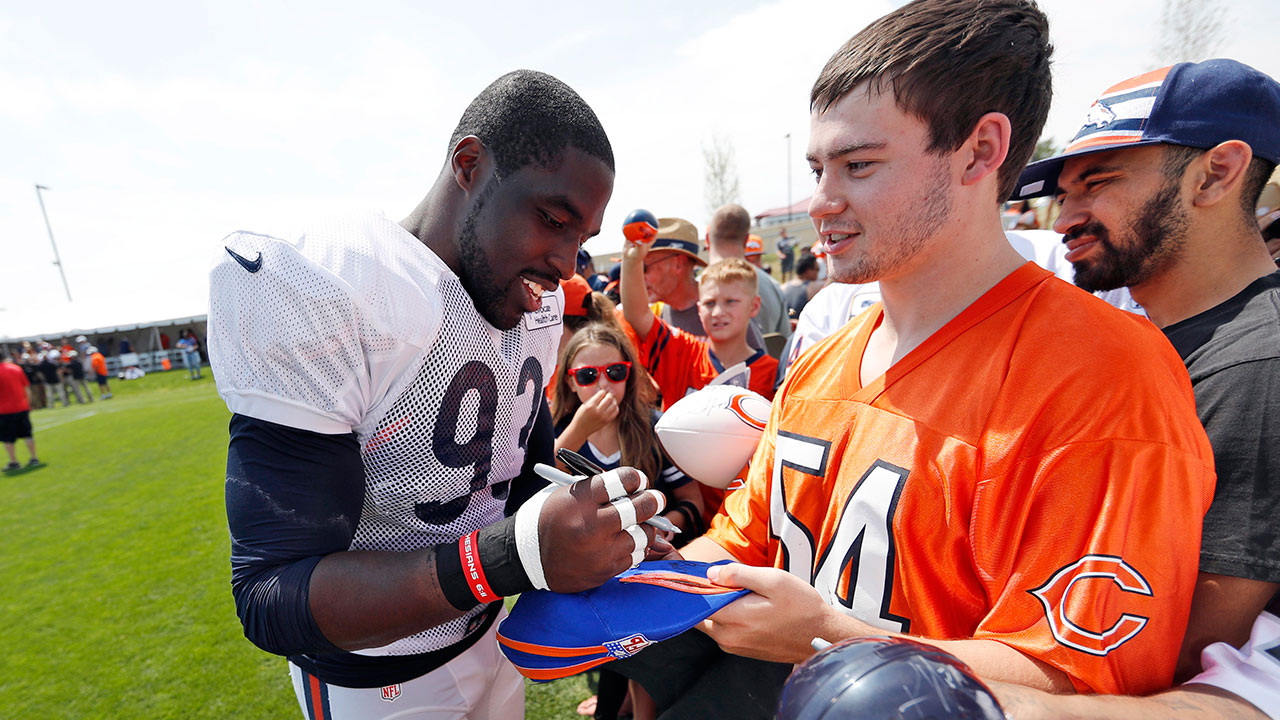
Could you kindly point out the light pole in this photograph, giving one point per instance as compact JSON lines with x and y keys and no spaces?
{"x":56,"y":259}
{"x":788,"y":177}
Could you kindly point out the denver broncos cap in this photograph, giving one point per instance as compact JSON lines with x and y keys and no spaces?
{"x":1193,"y":104}
{"x":552,"y":635}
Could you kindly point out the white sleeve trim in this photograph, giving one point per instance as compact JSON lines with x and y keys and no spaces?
{"x":1251,"y":672}
{"x":282,"y":412}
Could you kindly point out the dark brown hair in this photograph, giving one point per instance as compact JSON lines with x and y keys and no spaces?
{"x":949,"y":62}
{"x":639,"y":443}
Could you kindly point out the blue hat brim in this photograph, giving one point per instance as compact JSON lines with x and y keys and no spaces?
{"x":549,"y":633}
{"x":1040,"y":178}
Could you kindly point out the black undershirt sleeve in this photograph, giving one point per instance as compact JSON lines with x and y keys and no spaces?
{"x":541,"y":448}
{"x":292,"y":497}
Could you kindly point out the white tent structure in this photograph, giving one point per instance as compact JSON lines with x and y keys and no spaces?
{"x":146,"y":342}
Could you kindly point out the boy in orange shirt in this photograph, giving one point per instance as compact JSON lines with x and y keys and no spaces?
{"x":681,"y":363}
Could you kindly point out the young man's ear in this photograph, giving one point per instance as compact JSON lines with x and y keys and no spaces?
{"x":755,"y":306}
{"x":1219,"y":172}
{"x":466,"y":161}
{"x":986,"y":148}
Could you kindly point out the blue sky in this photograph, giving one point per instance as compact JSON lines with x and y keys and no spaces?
{"x":160,"y":127}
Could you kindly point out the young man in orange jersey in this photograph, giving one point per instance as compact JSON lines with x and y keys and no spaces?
{"x":680,"y":362}
{"x":958,"y":463}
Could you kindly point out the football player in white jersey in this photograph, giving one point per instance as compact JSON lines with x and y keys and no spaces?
{"x":386,"y":383}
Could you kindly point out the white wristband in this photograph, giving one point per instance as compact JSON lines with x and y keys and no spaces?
{"x":527,"y":537}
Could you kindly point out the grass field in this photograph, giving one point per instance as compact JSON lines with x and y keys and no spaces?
{"x":116,"y":598}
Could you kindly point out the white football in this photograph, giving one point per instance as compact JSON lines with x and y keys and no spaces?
{"x":711,"y":434}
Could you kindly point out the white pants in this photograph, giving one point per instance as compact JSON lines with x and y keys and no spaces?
{"x":479,"y":684}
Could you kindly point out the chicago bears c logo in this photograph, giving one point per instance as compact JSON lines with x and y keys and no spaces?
{"x":1090,"y":568}
{"x":751,"y":410}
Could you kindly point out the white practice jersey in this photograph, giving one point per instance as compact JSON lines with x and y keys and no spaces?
{"x":1253,"y":671}
{"x":356,"y":326}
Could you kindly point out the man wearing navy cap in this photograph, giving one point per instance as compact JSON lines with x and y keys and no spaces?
{"x":1157,"y":192}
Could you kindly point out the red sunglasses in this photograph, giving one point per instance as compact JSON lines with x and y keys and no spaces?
{"x":587,"y":375}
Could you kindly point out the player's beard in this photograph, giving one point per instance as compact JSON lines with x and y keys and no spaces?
{"x":477,"y":272}
{"x":897,"y":243}
{"x":1155,"y":240}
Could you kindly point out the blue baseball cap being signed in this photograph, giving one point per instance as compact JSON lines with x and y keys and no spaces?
{"x":553,"y":635}
{"x":1193,"y":104}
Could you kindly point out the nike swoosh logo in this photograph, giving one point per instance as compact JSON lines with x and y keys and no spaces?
{"x":252,"y":266}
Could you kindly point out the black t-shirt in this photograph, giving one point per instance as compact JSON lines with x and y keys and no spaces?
{"x":1232,"y":352}
{"x":49,"y":371}
{"x":797,"y":296}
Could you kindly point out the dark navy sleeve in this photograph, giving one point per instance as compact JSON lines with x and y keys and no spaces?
{"x":541,"y":448}
{"x":293,"y":496}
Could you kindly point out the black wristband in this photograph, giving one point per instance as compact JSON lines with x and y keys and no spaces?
{"x":482,"y":566}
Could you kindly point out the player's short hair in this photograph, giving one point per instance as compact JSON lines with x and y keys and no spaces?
{"x":731,"y":270}
{"x":1178,"y":157}
{"x":949,"y":62}
{"x":526,"y":117}
{"x":731,"y":221}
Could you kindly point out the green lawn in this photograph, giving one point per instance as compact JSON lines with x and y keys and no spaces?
{"x":115,"y":584}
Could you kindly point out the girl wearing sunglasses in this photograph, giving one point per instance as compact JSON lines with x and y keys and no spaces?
{"x":604,"y":405}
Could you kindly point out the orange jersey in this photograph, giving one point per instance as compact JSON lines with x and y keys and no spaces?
{"x":99,"y":363}
{"x":1033,"y":473}
{"x":681,"y":363}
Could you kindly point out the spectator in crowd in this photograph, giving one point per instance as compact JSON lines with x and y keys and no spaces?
{"x":583,"y":306}
{"x":190,"y":348}
{"x":786,"y":247}
{"x":727,"y":234}
{"x":670,"y":280}
{"x":30,"y":367}
{"x":681,"y":362}
{"x":15,"y":413}
{"x":50,"y":367}
{"x":755,"y":253}
{"x":800,"y":288}
{"x":99,"y":364}
{"x":1170,"y":215}
{"x":1019,"y":216}
{"x":604,"y":407}
{"x":82,"y":347}
{"x":73,"y":377}
{"x":587,"y":269}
